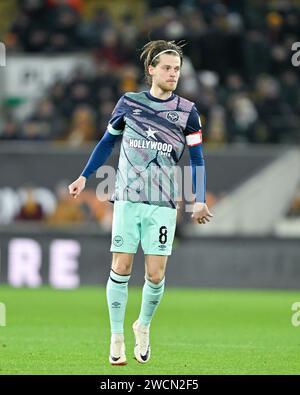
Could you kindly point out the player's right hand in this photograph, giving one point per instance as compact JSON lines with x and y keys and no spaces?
{"x":77,"y":186}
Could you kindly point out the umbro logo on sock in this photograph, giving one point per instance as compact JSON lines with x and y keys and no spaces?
{"x":116,"y":305}
{"x":154,"y":302}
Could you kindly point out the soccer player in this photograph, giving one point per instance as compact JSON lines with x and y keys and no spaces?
{"x":153,"y":126}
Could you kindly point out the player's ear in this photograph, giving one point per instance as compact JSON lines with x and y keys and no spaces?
{"x":151,"y":70}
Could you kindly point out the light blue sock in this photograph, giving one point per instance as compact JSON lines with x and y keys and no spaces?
{"x":117,"y":295}
{"x":152,"y":294}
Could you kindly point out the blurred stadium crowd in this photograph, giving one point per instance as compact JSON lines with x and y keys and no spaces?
{"x":238,"y":71}
{"x":238,"y":57}
{"x":34,"y":204}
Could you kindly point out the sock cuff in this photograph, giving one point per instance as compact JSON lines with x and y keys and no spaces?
{"x":153,"y":285}
{"x":119,"y":278}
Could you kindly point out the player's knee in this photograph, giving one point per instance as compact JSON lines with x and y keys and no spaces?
{"x":121,"y":268}
{"x":121,"y":264}
{"x":155,"y":278}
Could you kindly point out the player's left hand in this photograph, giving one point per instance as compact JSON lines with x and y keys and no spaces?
{"x":201,"y":213}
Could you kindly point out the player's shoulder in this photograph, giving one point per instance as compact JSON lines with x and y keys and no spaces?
{"x":134,"y":95}
{"x":185,"y":104}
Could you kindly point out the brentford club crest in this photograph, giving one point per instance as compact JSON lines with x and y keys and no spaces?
{"x":172,"y":116}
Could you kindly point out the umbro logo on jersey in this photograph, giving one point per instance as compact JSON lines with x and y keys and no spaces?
{"x":136,"y":111}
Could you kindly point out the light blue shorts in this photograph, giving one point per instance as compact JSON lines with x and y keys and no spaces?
{"x":153,"y":225}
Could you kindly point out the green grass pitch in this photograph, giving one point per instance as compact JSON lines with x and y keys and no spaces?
{"x":194,"y":331}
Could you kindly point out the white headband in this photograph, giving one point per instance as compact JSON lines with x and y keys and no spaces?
{"x":166,"y":50}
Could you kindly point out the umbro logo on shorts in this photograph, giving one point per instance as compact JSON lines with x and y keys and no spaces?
{"x":162,"y":247}
{"x":118,"y":241}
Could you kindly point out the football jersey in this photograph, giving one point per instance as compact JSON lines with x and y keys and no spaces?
{"x":154,"y":134}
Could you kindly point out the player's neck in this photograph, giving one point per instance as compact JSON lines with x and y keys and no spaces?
{"x":159,"y":93}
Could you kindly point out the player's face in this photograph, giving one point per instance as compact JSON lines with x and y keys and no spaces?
{"x":166,"y":73}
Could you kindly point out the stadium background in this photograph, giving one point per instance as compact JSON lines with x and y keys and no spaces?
{"x":67,"y":63}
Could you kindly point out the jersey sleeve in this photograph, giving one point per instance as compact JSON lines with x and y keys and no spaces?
{"x":117,"y":123}
{"x":193,"y":135}
{"x":100,"y":153}
{"x":193,"y":130}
